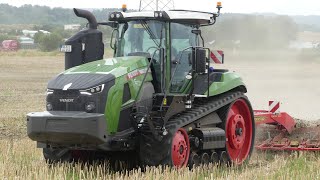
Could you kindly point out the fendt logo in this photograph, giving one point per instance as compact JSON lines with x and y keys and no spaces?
{"x":66,"y":100}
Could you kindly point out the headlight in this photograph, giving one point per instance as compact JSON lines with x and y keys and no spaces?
{"x":115,"y":16}
{"x":94,"y":90}
{"x":49,"y":91}
{"x":161,"y":15}
{"x":90,"y":106}
{"x":49,"y":106}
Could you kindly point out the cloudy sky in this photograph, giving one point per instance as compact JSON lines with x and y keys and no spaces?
{"x":290,"y":7}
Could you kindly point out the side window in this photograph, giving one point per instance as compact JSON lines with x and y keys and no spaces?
{"x":126,"y":45}
{"x":149,"y":46}
{"x":147,"y":42}
{"x":181,"y":39}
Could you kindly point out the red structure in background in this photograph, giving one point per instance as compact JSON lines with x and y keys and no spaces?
{"x":9,"y":45}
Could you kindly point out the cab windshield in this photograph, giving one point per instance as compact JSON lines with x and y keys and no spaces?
{"x":140,"y":38}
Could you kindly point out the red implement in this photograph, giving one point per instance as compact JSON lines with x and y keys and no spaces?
{"x":283,"y":120}
{"x":289,"y":138}
{"x":282,"y":143}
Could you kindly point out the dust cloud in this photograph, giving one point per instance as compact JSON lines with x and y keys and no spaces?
{"x":285,"y":76}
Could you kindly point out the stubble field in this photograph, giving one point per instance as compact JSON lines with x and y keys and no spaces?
{"x":285,"y":76}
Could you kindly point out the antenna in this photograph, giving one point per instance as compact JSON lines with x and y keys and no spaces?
{"x":156,"y":5}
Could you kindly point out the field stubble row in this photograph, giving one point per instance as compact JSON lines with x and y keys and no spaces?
{"x":23,"y":82}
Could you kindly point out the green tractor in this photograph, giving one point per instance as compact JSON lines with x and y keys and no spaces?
{"x":158,"y":101}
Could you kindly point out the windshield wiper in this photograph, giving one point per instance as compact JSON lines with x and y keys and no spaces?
{"x":151,"y":34}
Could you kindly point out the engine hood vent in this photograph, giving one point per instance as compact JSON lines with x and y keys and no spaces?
{"x":79,"y":81}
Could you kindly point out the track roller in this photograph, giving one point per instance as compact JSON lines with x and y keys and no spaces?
{"x":214,"y":158}
{"x":205,"y":158}
{"x":194,"y":160}
{"x":224,"y":159}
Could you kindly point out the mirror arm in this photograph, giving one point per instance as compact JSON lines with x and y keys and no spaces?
{"x":112,"y":36}
{"x":110,"y":24}
{"x":111,"y":41}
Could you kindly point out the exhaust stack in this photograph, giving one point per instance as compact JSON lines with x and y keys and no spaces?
{"x":87,"y":15}
{"x":86,"y":45}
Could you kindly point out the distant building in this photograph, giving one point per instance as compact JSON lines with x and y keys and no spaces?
{"x":44,"y":32}
{"x":27,"y":43}
{"x":72,"y":27}
{"x":30,"y":33}
{"x":25,"y":40}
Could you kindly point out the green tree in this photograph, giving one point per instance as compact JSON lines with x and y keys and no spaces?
{"x":49,"y":42}
{"x":3,"y":37}
{"x":6,"y":37}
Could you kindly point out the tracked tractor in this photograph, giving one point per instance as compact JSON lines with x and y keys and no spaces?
{"x":158,"y":101}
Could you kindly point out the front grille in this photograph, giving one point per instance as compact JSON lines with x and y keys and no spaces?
{"x":72,"y":100}
{"x":67,"y":93}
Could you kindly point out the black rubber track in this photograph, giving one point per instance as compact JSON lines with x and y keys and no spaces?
{"x":154,"y":153}
{"x":57,"y":155}
{"x":117,"y":160}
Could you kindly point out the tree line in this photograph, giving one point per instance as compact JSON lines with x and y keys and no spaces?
{"x":230,"y":31}
{"x":48,"y":19}
{"x":28,"y":14}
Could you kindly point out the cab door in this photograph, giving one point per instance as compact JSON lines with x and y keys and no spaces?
{"x":182,"y":41}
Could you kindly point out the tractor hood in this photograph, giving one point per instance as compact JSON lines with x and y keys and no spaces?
{"x":95,"y":73}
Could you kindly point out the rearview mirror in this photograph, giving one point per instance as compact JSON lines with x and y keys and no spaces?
{"x":200,"y":60}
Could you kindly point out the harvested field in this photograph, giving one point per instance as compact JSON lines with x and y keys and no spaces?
{"x":283,"y":76}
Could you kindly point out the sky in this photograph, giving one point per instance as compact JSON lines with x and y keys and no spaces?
{"x":289,"y":7}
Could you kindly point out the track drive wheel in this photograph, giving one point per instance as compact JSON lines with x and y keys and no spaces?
{"x":172,"y":150}
{"x":238,"y":122}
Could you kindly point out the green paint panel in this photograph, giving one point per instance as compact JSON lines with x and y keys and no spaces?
{"x":229,"y":80}
{"x":114,"y":100}
{"x":129,"y":70}
{"x":116,"y":66}
{"x":113,"y":107}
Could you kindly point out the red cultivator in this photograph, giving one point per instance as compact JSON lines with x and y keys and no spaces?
{"x":283,"y":134}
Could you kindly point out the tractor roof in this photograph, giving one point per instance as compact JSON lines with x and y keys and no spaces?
{"x":180,"y":16}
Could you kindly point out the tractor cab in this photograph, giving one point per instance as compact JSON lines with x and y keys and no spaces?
{"x":170,"y":39}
